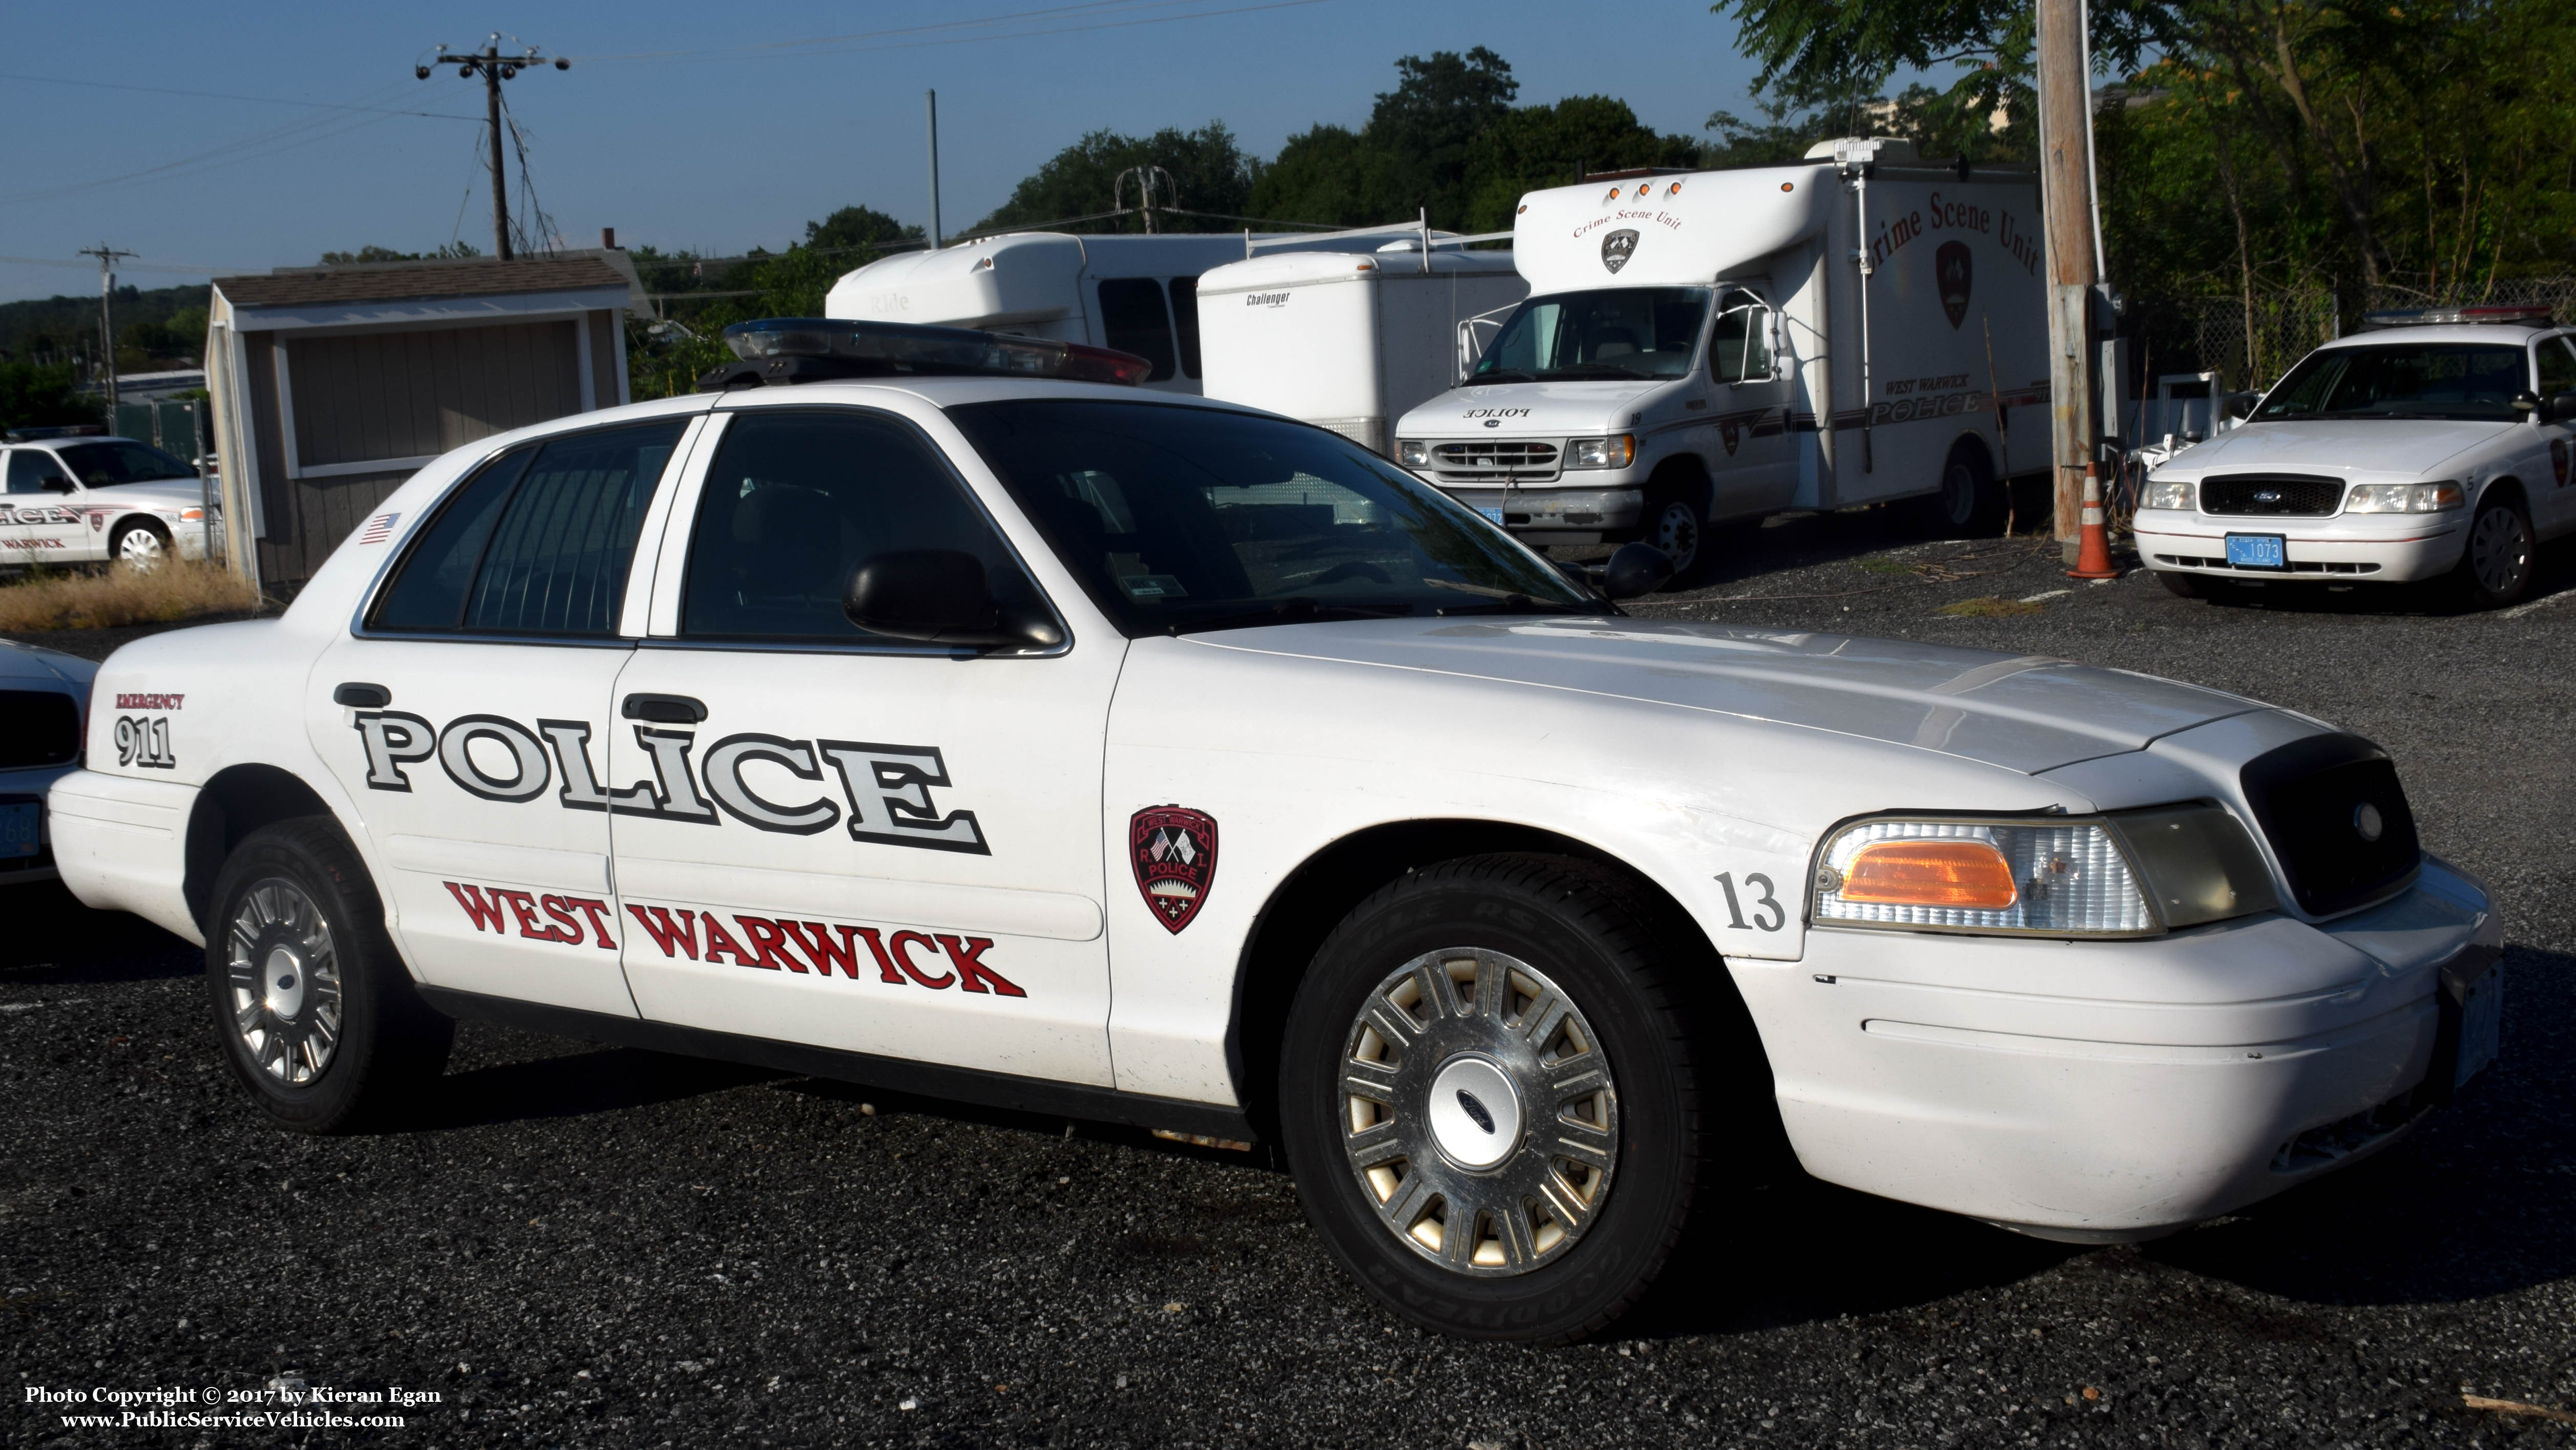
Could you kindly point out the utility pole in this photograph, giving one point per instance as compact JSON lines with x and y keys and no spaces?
{"x":932,"y":98}
{"x":107,"y":256}
{"x":494,"y":68}
{"x":2066,"y":193}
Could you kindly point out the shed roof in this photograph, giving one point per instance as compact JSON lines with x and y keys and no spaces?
{"x":396,"y":281}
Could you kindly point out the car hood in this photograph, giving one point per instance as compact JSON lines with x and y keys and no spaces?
{"x":2345,"y":447}
{"x":1519,"y":409}
{"x":160,"y":493}
{"x":22,"y":665}
{"x":2025,"y":713}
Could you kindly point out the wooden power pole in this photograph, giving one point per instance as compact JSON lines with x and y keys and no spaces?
{"x":2066,"y":193}
{"x":107,"y":256}
{"x":493,"y":67}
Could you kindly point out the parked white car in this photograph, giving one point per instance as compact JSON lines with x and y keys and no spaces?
{"x":43,"y":696}
{"x":77,"y":498}
{"x":2433,"y":444}
{"x":1106,"y":753}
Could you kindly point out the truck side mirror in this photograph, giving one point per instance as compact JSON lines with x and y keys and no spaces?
{"x":2527,"y":401}
{"x":939,"y":596}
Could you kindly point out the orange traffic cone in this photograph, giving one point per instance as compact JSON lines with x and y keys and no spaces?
{"x":2093,"y":553}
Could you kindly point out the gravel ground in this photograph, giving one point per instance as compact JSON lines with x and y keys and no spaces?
{"x":580,"y":1246}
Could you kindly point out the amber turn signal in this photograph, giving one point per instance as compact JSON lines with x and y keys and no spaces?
{"x":1969,"y":874}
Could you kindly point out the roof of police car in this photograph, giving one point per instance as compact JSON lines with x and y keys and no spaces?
{"x":2508,"y":334}
{"x":951,"y":391}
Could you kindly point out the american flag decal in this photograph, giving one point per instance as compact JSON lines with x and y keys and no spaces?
{"x":379,"y":529}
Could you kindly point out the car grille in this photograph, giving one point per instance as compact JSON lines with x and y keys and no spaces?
{"x":2279,"y":495}
{"x":1497,"y":460}
{"x":37,"y":727}
{"x":2316,"y":799}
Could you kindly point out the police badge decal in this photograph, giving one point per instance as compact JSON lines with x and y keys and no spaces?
{"x":1173,"y":849}
{"x":1616,"y":248}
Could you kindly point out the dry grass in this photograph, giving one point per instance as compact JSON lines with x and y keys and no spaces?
{"x":1989,"y":608}
{"x":179,"y":589}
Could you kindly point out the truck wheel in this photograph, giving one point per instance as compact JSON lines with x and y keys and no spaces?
{"x":139,"y":545}
{"x":1970,"y":504}
{"x":1490,"y":1097}
{"x":317,"y":1015}
{"x":2495,"y":564}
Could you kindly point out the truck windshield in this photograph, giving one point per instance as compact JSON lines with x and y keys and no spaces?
{"x":2402,"y":380}
{"x":1632,"y":332}
{"x":102,"y":465}
{"x":1179,"y":518}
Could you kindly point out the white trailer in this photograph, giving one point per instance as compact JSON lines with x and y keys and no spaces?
{"x":1713,"y":346}
{"x":1348,"y":342}
{"x":1134,"y":293}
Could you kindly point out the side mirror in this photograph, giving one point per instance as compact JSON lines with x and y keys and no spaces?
{"x":2241,"y":405}
{"x":939,"y":596}
{"x":2527,"y":402}
{"x":1635,"y":569}
{"x":54,"y":483}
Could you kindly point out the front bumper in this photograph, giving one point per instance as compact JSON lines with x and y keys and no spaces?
{"x":2106,"y":1091}
{"x":2344,"y":548}
{"x":1556,"y":514}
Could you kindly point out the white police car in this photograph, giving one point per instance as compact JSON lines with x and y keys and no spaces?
{"x":2430,"y":445}
{"x":946,"y":724}
{"x":75,"y":496}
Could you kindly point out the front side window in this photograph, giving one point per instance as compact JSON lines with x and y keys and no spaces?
{"x":2557,"y":367}
{"x":2465,"y":380}
{"x":1132,"y":319}
{"x":1634,"y":332}
{"x":1739,"y":347}
{"x":29,"y":468}
{"x":1181,"y":518}
{"x":105,"y":465}
{"x":796,"y":500}
{"x":537,"y":542}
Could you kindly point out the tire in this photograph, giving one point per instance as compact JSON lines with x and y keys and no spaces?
{"x":140,"y":545}
{"x":2183,"y":586}
{"x":2496,"y":562}
{"x":317,"y":1015}
{"x":1561,"y":1234}
{"x":1971,"y":503}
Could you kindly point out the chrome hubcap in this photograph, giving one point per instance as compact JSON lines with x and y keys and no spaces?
{"x":283,"y":980}
{"x":2500,"y":551}
{"x":1677,"y":533}
{"x":1479,"y":1112}
{"x":140,"y":548}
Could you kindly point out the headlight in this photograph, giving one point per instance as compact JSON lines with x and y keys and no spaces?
{"x":2135,"y":873}
{"x":1616,"y":452}
{"x":2166,"y":494}
{"x":2403,"y":498}
{"x":1412,"y":454}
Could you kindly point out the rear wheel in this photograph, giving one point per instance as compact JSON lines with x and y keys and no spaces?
{"x":317,"y":1015}
{"x":140,"y":545}
{"x":1971,"y":502}
{"x":1491,"y":1098}
{"x":2496,"y":564}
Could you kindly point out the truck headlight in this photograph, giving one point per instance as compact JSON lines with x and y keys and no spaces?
{"x":2133,"y":873}
{"x":1413,"y":453}
{"x":1616,"y":452}
{"x":2166,"y":493}
{"x":2403,"y":498}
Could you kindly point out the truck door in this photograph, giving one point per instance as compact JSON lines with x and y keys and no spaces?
{"x":1753,"y":455}
{"x":465,"y":716}
{"x":840,"y":838}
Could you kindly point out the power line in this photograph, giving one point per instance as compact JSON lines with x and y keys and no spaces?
{"x":186,"y":268}
{"x":227,"y":96}
{"x":252,"y":147}
{"x":840,"y":49}
{"x":493,"y":67}
{"x":1096,"y":6}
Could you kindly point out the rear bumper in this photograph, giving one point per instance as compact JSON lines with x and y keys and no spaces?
{"x":2108,"y":1091}
{"x":121,"y":845}
{"x":2378,"y":548}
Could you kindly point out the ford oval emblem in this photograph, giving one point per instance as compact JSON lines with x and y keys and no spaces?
{"x":1493,"y":422}
{"x":2269,"y":495}
{"x":1476,"y":1110}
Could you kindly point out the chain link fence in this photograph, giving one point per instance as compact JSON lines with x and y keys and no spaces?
{"x":2250,"y":342}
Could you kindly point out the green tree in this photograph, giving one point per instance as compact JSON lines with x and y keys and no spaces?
{"x":373,"y":253}
{"x":36,"y":396}
{"x":1208,"y":170}
{"x":1554,"y":145}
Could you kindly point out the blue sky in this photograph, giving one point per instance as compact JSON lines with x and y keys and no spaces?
{"x":736,"y":140}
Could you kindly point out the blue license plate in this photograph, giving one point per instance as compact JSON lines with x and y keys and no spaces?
{"x":22,"y":828}
{"x":2256,"y":551}
{"x":1495,"y":514}
{"x":2481,"y":1024}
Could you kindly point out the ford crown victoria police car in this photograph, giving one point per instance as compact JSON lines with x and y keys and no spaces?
{"x":955,"y":726}
{"x":2431,"y":445}
{"x":80,"y":499}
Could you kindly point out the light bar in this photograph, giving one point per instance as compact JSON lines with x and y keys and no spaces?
{"x":840,"y":347}
{"x":2529,"y":315}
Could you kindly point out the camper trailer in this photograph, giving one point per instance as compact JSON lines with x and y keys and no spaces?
{"x":1704,"y":347}
{"x":1137,"y":294}
{"x":1349,"y":342}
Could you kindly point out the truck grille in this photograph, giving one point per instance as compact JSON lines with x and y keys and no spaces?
{"x":37,"y":727}
{"x":2272,"y":494}
{"x":1494,"y":461}
{"x":2337,"y":820}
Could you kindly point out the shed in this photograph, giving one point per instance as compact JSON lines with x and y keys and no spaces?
{"x":332,"y":385}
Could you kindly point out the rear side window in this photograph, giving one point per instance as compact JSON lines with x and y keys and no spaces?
{"x":1132,"y":320}
{"x":538,"y":542}
{"x":797,"y":500}
{"x":1185,"y":316}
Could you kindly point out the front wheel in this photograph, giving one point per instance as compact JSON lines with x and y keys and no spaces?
{"x":2495,"y":565}
{"x":140,"y":546}
{"x":318,"y":1018}
{"x":1676,"y":526}
{"x":1491,"y":1099}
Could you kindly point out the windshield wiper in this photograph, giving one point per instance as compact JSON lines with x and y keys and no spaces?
{"x":1596,"y":370}
{"x":1504,"y":375}
{"x":1519,"y":604}
{"x":1298,"y":609}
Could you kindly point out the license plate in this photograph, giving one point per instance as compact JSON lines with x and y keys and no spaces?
{"x":2481,"y":1024}
{"x":2256,"y":551}
{"x":22,"y":829}
{"x":1495,"y":514}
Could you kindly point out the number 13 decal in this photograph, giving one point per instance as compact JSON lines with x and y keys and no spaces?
{"x":1777,"y":917}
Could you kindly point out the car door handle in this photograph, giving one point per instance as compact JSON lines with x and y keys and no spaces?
{"x":664,"y":709}
{"x":360,"y":696}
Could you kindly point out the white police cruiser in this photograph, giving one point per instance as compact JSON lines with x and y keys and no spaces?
{"x":2431,"y":445}
{"x":76,"y":496}
{"x":959,"y":722}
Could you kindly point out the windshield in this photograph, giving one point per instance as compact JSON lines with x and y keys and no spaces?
{"x":1182,"y":518}
{"x":1635,"y":332}
{"x":104,"y":465}
{"x":2408,"y":380}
